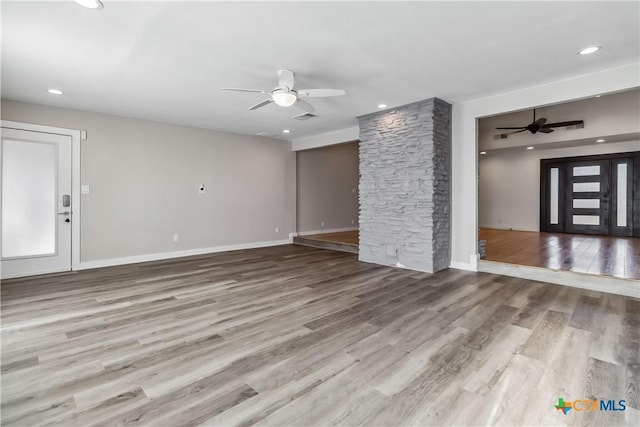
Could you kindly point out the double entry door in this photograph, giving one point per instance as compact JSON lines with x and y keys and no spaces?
{"x":589,"y":195}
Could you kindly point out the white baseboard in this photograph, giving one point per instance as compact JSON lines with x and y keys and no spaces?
{"x":461,"y":266}
{"x":472,"y":265}
{"x":34,"y":273}
{"x":325,"y":231}
{"x":177,"y":254}
{"x":501,"y":227}
{"x":612,"y":285}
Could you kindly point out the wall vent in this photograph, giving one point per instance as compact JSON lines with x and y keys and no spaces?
{"x":500,"y":136}
{"x":578,"y":126}
{"x":304,"y":116}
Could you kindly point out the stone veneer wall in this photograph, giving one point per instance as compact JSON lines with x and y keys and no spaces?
{"x":405,"y":186}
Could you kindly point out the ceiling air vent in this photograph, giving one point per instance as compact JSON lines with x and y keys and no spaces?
{"x":304,"y":116}
{"x":500,"y":136}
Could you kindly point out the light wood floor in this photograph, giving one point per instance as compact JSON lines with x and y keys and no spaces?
{"x":601,"y":255}
{"x":299,"y":336}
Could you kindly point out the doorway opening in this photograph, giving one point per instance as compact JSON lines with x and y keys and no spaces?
{"x":566,"y":200}
{"x":328,"y":198}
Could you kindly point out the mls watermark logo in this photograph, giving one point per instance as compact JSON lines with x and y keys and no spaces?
{"x":581,"y":405}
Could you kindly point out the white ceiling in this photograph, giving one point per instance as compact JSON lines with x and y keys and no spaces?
{"x":167,"y":61}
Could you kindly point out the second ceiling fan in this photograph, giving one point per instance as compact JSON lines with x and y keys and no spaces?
{"x":541,"y":125}
{"x":285,"y":95}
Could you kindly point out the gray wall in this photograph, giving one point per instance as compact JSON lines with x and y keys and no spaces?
{"x":144,"y":178}
{"x":405,"y":186}
{"x":328,"y":187}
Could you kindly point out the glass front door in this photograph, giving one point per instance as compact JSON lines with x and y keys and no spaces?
{"x":36,"y":203}
{"x":589,"y":195}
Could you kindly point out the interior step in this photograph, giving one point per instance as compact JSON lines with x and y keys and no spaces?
{"x":334,"y":246}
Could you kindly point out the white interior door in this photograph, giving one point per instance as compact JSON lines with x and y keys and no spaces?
{"x":36,"y":203}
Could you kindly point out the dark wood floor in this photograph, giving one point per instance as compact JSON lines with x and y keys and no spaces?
{"x":601,"y":255}
{"x":299,"y":336}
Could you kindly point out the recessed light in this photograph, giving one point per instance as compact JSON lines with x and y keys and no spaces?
{"x":90,"y":4}
{"x":55,"y":91}
{"x":483,"y":152}
{"x":382,"y":105}
{"x":589,"y":50}
{"x":286,"y":131}
{"x":529,"y":148}
{"x":600,"y":140}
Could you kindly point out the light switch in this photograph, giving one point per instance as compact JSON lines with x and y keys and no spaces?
{"x":85,"y":189}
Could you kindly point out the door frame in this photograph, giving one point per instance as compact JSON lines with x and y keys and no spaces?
{"x":75,"y":136}
{"x":546,"y":163}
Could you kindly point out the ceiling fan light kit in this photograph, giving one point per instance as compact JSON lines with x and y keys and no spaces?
{"x":284,"y":95}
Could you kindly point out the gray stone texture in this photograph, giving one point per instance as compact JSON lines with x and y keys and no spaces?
{"x":405,"y":186}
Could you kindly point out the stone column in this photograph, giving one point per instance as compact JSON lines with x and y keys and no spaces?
{"x":405,"y":186}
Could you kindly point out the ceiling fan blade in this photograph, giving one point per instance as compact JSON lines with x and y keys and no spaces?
{"x":285,"y":78}
{"x":244,"y":90}
{"x":519,"y":127}
{"x":545,"y":130}
{"x":304,"y":106}
{"x":563,"y":124}
{"x":518,"y":131}
{"x":540,"y":122}
{"x":261,"y":104}
{"x":320,"y":93}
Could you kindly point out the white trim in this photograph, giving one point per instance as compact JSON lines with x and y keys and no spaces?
{"x":472,"y":265}
{"x":324,"y":231}
{"x":324,"y":139}
{"x":612,"y":285}
{"x":34,"y":273}
{"x":177,"y":254}
{"x":75,"y":178}
{"x":461,"y":266}
{"x":500,"y":227}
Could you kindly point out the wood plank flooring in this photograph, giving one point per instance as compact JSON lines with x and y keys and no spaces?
{"x":601,"y":255}
{"x":299,"y":336}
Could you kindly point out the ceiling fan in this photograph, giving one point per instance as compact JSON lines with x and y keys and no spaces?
{"x":285,"y":95}
{"x":541,"y":125}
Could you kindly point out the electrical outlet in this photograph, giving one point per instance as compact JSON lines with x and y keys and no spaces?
{"x":175,"y":237}
{"x":353,"y":221}
{"x":277,"y":229}
{"x":322,"y":224}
